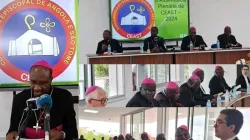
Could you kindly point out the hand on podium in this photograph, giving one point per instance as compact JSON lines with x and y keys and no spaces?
{"x":11,"y":135}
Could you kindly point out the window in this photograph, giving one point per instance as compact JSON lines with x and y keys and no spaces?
{"x":170,"y":123}
{"x":107,"y":77}
{"x":199,"y":123}
{"x":183,"y":115}
{"x":160,"y":73}
{"x":151,"y":122}
{"x":127,"y":124}
{"x":137,"y":125}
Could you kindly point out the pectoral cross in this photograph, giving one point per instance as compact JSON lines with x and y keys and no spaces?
{"x":141,"y":10}
{"x":37,"y":127}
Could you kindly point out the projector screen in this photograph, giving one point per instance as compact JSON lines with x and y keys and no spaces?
{"x":133,"y":19}
{"x":35,"y":30}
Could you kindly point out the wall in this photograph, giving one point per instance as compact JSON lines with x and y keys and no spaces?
{"x":208,"y":16}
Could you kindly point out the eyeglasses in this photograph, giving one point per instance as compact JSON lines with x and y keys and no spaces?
{"x":150,"y":91}
{"x":103,"y":101}
{"x":218,"y":122}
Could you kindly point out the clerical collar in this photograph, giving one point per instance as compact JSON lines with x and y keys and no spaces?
{"x":234,"y":137}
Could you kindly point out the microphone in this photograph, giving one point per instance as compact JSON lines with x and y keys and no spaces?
{"x":33,"y":103}
{"x":45,"y":102}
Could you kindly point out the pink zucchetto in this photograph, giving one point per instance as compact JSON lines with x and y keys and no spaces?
{"x":197,"y":70}
{"x":217,"y":67}
{"x":184,"y":127}
{"x":172,"y":85}
{"x":194,"y":77}
{"x":42,"y":63}
{"x":90,"y":90}
{"x":192,"y":28}
{"x":148,"y":81}
{"x":227,"y":27}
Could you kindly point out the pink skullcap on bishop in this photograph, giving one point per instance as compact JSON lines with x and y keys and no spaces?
{"x":197,"y":70}
{"x":184,"y":127}
{"x":90,"y":89}
{"x":192,"y":28}
{"x":144,"y":133}
{"x":227,"y":27}
{"x":148,"y":81}
{"x":217,"y":67}
{"x":171,"y":85}
{"x":194,"y":77}
{"x":42,"y":63}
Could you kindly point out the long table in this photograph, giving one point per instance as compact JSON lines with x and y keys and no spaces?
{"x":242,"y":100}
{"x":191,"y":57}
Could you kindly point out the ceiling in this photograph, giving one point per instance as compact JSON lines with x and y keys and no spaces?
{"x":111,"y":114}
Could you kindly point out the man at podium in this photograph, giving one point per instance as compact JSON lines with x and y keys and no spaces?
{"x":228,"y":40}
{"x":62,"y":114}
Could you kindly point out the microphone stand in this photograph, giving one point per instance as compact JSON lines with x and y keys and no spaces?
{"x":47,"y":124}
{"x":23,"y":125}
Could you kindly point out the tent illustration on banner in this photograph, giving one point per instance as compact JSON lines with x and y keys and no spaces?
{"x":34,"y":43}
{"x":134,"y":19}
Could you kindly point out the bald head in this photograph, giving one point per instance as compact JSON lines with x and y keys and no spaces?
{"x":200,"y":73}
{"x":95,"y":97}
{"x":160,"y":136}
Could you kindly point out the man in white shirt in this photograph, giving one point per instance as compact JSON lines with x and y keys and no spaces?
{"x":138,"y":75}
{"x":228,"y":124}
{"x":243,"y":79}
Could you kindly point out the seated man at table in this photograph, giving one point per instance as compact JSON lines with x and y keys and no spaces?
{"x":154,"y":42}
{"x":218,"y":83}
{"x":243,"y":80}
{"x":228,"y":40}
{"x":196,"y":40}
{"x":145,"y":97}
{"x":95,"y":97}
{"x":169,"y":97}
{"x":62,"y":121}
{"x":107,"y":40}
{"x":201,"y":94}
{"x":188,"y":90}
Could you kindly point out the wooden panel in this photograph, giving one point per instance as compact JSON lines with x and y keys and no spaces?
{"x":194,"y":58}
{"x":230,"y":57}
{"x":110,"y":60}
{"x":153,"y":59}
{"x":246,"y":102}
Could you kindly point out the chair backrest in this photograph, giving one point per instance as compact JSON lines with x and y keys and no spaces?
{"x":214,"y":46}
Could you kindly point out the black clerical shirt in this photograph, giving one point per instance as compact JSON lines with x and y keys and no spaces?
{"x":218,"y":85}
{"x":114,"y":44}
{"x":62,"y":112}
{"x":197,"y":41}
{"x":225,"y":40}
{"x":154,"y":43}
{"x":139,"y":101}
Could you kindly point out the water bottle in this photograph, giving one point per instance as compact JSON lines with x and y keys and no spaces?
{"x":227,"y":96}
{"x":218,"y":44}
{"x":141,"y":49}
{"x":191,"y":46}
{"x":234,"y":93}
{"x":248,"y":89}
{"x":109,"y":50}
{"x":218,"y":101}
{"x":209,"y":103}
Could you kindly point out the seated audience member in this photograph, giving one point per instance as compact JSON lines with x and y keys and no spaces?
{"x":182,"y":133}
{"x":154,"y":42}
{"x":243,"y":80}
{"x":188,"y":90}
{"x":144,"y":97}
{"x":201,"y":95}
{"x":144,"y":136}
{"x":161,"y":136}
{"x":228,"y":124}
{"x":121,"y":137}
{"x":218,"y":83}
{"x":227,"y":40}
{"x":107,"y":40}
{"x":128,"y":137}
{"x":196,"y":40}
{"x":169,"y":97}
{"x":115,"y":138}
{"x":62,"y":121}
{"x":96,"y":97}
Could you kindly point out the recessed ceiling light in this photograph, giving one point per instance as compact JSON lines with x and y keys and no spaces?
{"x":90,"y":111}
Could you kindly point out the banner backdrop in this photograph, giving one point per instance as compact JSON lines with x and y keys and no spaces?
{"x":34,"y":30}
{"x":133,"y":19}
